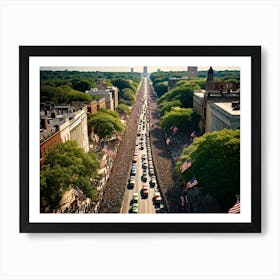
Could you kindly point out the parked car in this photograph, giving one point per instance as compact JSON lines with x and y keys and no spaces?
{"x":158,"y":198}
{"x":135,"y":197}
{"x":145,"y":177}
{"x":153,"y":181}
{"x":145,"y":190}
{"x":152,"y":171}
{"x":135,"y":208}
{"x":131,"y":181}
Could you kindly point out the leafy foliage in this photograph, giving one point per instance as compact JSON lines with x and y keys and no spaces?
{"x":105,"y":123}
{"x":82,"y":85}
{"x":166,"y":106}
{"x":160,"y":88}
{"x":215,"y":161}
{"x":123,"y":109}
{"x":67,"y":165}
{"x":62,"y":94}
{"x":182,"y":93}
{"x":182,"y":118}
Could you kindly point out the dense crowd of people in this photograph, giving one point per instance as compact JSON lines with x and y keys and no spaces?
{"x":169,"y":182}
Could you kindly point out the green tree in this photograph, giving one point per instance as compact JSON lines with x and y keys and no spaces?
{"x":82,"y":85}
{"x":65,"y":166}
{"x":129,"y":97}
{"x":109,"y":112}
{"x":182,"y":93}
{"x":122,"y":83}
{"x":166,"y":107}
{"x":123,"y":109}
{"x":103,"y":128}
{"x":182,"y":118}
{"x":105,"y":123}
{"x":215,"y":161}
{"x":160,"y":89}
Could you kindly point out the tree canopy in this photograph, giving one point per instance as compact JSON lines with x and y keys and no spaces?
{"x":105,"y":123}
{"x":65,"y":166}
{"x":62,"y":94}
{"x":182,"y":93}
{"x":215,"y":161}
{"x":82,"y":85}
{"x":123,"y":109}
{"x":184,"y":119}
{"x":167,"y":106}
{"x":160,"y":88}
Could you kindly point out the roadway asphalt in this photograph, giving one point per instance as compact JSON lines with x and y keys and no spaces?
{"x":145,"y":204}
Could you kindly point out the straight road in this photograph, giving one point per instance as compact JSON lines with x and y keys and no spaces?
{"x":143,"y":164}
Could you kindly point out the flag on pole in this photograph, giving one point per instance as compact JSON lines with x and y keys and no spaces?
{"x":187,"y":164}
{"x":175,"y":129}
{"x":167,"y":141}
{"x":193,"y":182}
{"x":193,"y":135}
{"x":105,"y":149}
{"x":235,"y":209}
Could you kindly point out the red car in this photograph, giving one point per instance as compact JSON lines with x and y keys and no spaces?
{"x":145,"y":190}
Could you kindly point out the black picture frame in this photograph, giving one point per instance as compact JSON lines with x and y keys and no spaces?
{"x":254,"y":52}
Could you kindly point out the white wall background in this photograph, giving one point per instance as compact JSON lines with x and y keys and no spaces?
{"x":138,"y":256}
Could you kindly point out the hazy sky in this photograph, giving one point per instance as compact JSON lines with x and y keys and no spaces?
{"x":136,"y":68}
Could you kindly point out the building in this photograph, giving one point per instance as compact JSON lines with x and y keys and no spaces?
{"x":226,"y":87}
{"x":110,"y":93}
{"x":62,"y":123}
{"x":131,"y":70}
{"x":223,"y":115}
{"x":96,"y":104}
{"x":145,"y":71}
{"x":206,"y":106}
{"x":49,"y":136}
{"x":107,"y":94}
{"x":192,"y":72}
{"x":199,"y":107}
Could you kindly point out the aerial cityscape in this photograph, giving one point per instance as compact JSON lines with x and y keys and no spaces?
{"x":160,"y":140}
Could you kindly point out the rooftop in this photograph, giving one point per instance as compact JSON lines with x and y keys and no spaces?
{"x":227,"y":107}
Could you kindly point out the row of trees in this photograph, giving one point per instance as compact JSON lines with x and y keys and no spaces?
{"x":215,"y":161}
{"x":66,"y":166}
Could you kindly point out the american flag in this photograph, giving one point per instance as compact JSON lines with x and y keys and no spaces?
{"x":167,"y":141}
{"x":187,"y":164}
{"x":175,"y":129}
{"x":192,"y":183}
{"x":235,"y":209}
{"x":193,"y":134}
{"x":105,"y":149}
{"x":102,"y":163}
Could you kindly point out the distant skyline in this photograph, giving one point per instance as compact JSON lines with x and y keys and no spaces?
{"x":135,"y":68}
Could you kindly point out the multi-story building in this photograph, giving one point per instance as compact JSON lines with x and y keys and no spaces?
{"x":192,"y":72}
{"x":223,"y":115}
{"x":207,"y":106}
{"x":212,"y":85}
{"x":60,"y":124}
{"x":145,"y":71}
{"x":110,"y":94}
{"x":96,"y":104}
{"x":109,"y":103}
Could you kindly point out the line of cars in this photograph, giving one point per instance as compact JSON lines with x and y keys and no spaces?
{"x":144,"y":155}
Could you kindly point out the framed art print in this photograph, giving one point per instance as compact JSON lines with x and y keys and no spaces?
{"x":140,"y":138}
